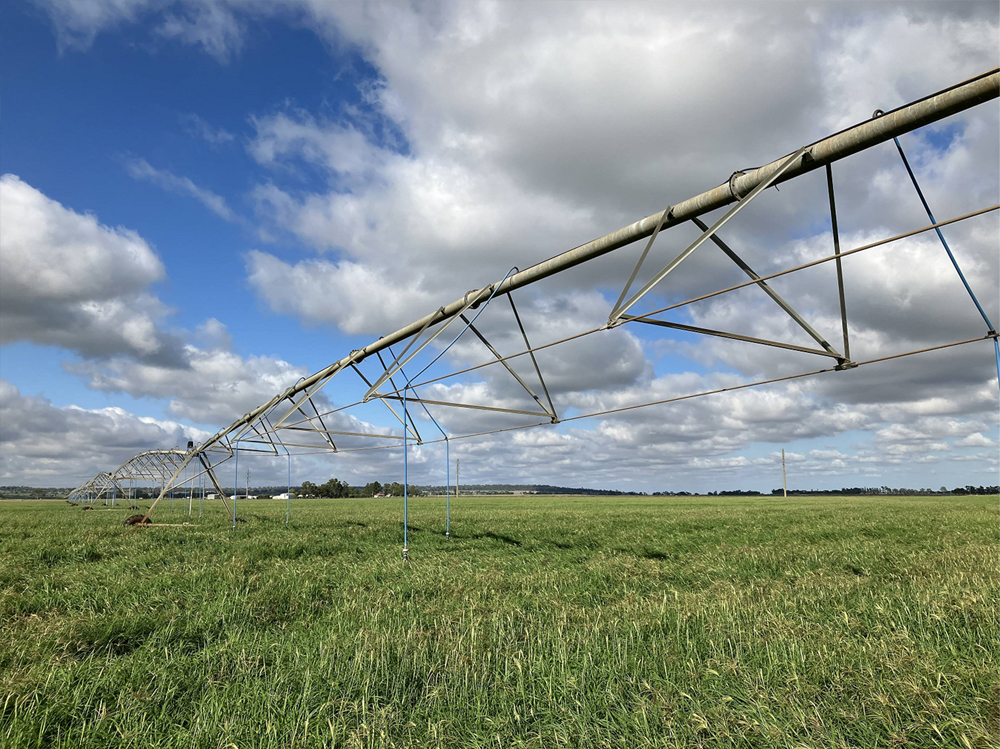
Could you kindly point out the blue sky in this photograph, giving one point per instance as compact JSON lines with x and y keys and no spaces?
{"x":224,"y":198}
{"x":75,"y":120}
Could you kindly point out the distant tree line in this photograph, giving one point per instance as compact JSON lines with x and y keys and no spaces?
{"x":500,"y":489}
{"x":335,"y":489}
{"x":888,"y":490}
{"x":846,"y":491}
{"x":32,"y":492}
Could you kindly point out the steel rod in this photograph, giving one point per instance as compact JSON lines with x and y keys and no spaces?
{"x":768,"y":290}
{"x":347,"y":434}
{"x":641,"y":260}
{"x":473,"y":406}
{"x":733,"y":336}
{"x":386,"y":403}
{"x":839,"y":263}
{"x":534,"y":362}
{"x":414,"y":431}
{"x":507,"y":366}
{"x":940,"y":234}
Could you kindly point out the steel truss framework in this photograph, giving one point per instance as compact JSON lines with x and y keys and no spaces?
{"x":103,"y":486}
{"x":164,"y":469}
{"x":300,"y":420}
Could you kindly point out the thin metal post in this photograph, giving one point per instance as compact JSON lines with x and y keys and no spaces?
{"x":784,"y":476}
{"x":447,"y":489}
{"x":840,"y":270}
{"x":288,"y":494}
{"x":398,"y":365}
{"x":201,"y":494}
{"x":236,"y":479}
{"x":406,"y":487}
{"x":447,"y":449}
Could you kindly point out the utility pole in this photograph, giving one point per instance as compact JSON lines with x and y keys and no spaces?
{"x":784,"y":476}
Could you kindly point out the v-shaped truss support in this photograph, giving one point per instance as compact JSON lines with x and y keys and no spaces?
{"x":407,"y":422}
{"x":547,"y":410}
{"x":622,"y":307}
{"x":534,"y":361}
{"x":400,"y":361}
{"x":771,"y":292}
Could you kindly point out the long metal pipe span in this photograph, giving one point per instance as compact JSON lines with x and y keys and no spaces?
{"x":879,"y":129}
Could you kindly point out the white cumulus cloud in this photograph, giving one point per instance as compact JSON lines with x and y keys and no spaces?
{"x":68,"y":280}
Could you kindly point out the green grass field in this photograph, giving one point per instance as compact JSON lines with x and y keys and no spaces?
{"x":543,"y":622}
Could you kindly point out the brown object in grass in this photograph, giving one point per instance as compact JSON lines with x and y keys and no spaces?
{"x":135,"y":520}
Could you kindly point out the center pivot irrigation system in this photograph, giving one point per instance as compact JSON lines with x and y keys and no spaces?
{"x":301,"y":420}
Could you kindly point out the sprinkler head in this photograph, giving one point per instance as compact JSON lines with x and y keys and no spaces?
{"x":405,"y":553}
{"x":447,"y":534}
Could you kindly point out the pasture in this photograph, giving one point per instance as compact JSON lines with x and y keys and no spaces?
{"x":543,"y":622}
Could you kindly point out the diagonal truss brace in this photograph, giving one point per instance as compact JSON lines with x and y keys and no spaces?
{"x":473,"y":406}
{"x":296,"y":406}
{"x":531,"y":353}
{"x":402,"y":421}
{"x":620,"y":310}
{"x":406,"y":416}
{"x":770,"y":292}
{"x":549,"y":412}
{"x":840,"y":268}
{"x":322,"y":424}
{"x":169,"y":484}
{"x":642,"y":259}
{"x":401,"y":360}
{"x":215,"y":483}
{"x":733,"y":336}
